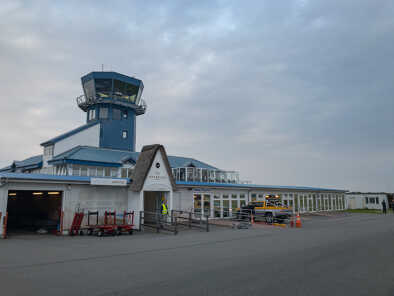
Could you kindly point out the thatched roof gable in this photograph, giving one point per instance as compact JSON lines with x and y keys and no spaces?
{"x":144,"y":163}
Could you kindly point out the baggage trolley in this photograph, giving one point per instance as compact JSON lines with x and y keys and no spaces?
{"x":127,"y":225}
{"x":76,"y":224}
{"x":109,"y":226}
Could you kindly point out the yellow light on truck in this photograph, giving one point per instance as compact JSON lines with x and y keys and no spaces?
{"x":38,"y":193}
{"x":53,"y":193}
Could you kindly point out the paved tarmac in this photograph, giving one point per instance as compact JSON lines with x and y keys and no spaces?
{"x":339,"y":254}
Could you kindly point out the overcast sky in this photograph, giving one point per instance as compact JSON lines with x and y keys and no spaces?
{"x":286,"y":92}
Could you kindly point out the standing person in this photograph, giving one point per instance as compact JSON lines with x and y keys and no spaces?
{"x":384,"y":207}
{"x":164,"y":210}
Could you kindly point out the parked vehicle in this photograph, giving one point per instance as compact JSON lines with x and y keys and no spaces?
{"x":271,"y":210}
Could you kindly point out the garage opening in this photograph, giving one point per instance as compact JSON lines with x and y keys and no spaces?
{"x":34,"y":212}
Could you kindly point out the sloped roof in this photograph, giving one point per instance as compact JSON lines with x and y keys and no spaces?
{"x":33,"y":162}
{"x":144,"y":164}
{"x":113,"y":156}
{"x":69,"y":133}
{"x":95,"y":154}
{"x":255,"y":186}
{"x":47,"y":177}
{"x":177,"y":162}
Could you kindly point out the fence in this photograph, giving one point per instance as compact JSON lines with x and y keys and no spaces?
{"x":191,"y":219}
{"x":158,"y":221}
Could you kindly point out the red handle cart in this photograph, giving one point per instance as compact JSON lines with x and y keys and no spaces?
{"x":127,"y":225}
{"x":109,"y":226}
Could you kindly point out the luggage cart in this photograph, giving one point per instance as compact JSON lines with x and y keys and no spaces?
{"x":109,"y":226}
{"x":127,"y":225}
{"x":76,"y":224}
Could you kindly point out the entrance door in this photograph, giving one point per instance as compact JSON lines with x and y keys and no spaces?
{"x":153,"y":200}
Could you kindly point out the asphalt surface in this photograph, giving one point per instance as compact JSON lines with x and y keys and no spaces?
{"x":331,"y":255}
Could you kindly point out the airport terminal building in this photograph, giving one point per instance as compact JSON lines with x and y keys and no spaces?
{"x":96,"y":167}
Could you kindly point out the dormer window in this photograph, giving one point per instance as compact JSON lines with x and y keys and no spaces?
{"x":48,"y":151}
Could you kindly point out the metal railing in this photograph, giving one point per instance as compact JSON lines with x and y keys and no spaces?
{"x":158,"y":221}
{"x":190,"y":219}
{"x":85,"y":102}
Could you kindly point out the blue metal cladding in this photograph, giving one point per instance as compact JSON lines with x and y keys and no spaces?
{"x":111,"y":131}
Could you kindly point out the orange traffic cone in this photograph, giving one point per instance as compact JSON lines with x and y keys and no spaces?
{"x":298,"y":221}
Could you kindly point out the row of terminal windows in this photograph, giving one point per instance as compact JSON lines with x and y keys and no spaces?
{"x":103,"y":114}
{"x":372,"y":200}
{"x":80,"y":170}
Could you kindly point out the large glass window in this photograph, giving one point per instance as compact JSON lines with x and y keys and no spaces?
{"x":93,"y":171}
{"x":314,"y":202}
{"x":216,"y":205}
{"x":76,"y":170}
{"x":116,"y":114}
{"x":226,"y":206}
{"x":119,"y":88}
{"x":190,"y":174}
{"x":103,"y":88}
{"x":182,"y":174}
{"x":107,"y":172}
{"x":197,"y":203}
{"x":88,"y":88}
{"x":207,"y":205}
{"x":100,"y":172}
{"x":103,"y":113}
{"x":234,"y":206}
{"x":131,"y":92}
{"x":254,"y":197}
{"x":84,"y":171}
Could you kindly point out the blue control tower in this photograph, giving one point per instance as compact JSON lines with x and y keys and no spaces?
{"x":115,"y":100}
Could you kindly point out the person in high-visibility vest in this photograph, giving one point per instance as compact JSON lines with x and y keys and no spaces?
{"x":164,"y":210}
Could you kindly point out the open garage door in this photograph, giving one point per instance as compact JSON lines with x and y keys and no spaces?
{"x":34,"y":211}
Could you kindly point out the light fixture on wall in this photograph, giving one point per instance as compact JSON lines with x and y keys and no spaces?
{"x":38,"y":193}
{"x":53,"y":193}
{"x":12,"y":194}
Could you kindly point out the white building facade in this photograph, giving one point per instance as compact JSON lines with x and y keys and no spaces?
{"x":366,"y":200}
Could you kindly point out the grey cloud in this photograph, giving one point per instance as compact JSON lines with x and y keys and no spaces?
{"x":295,"y":92}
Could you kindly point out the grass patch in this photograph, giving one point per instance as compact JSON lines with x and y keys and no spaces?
{"x":364,"y":211}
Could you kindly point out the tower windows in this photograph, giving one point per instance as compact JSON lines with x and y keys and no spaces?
{"x":103,"y":113}
{"x":116,"y":114}
{"x":124,"y":134}
{"x":92,"y":114}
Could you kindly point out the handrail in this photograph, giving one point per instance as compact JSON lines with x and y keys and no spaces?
{"x":84,"y":102}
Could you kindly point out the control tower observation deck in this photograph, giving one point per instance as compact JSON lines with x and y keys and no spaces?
{"x":115,"y":100}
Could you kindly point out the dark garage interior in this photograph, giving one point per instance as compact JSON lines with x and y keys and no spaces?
{"x":34,"y":211}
